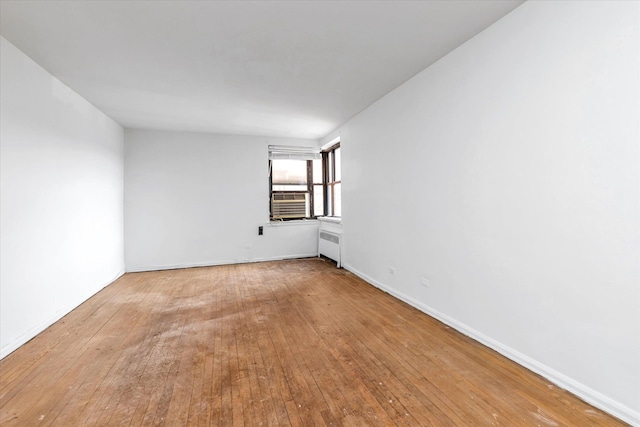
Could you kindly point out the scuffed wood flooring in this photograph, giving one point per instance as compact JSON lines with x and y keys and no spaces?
{"x":287,"y":343}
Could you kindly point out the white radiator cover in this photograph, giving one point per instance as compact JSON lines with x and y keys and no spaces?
{"x":330,"y":245}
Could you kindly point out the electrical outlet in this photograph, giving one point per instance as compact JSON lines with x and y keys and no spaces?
{"x":392,"y":271}
{"x":425,"y":282}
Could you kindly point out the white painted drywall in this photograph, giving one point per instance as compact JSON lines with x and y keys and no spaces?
{"x":196,"y":199}
{"x":507,"y":174}
{"x":61,"y":199}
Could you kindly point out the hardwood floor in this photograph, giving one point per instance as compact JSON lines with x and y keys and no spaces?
{"x":296,"y":343}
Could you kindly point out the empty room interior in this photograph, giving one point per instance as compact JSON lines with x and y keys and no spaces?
{"x":177,"y":246}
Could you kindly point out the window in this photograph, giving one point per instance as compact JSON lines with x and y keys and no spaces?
{"x":291,"y":182}
{"x":304,"y":182}
{"x":333,"y":181}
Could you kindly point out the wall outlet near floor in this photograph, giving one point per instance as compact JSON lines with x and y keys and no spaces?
{"x":392,"y":271}
{"x":425,"y":282}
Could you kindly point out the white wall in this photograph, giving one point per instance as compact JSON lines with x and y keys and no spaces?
{"x":507,"y":174}
{"x":61,"y":190}
{"x":197,"y":199}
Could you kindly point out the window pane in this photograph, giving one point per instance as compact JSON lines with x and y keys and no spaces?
{"x":330,"y":165}
{"x":337,"y":200}
{"x":289,"y":171}
{"x":318,"y":200}
{"x":338,"y":162}
{"x":317,"y":171}
{"x":281,"y":187}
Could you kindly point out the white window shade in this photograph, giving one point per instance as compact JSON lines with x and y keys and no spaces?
{"x":283,"y":152}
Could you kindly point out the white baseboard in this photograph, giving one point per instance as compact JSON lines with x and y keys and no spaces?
{"x":32,"y":332}
{"x":138,"y":269}
{"x":587,"y":394}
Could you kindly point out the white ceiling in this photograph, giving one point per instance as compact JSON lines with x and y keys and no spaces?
{"x":272,"y":68}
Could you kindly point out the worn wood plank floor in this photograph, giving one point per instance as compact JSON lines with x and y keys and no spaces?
{"x":290,"y":343}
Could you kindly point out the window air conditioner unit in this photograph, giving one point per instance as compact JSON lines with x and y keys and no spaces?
{"x":288,"y":205}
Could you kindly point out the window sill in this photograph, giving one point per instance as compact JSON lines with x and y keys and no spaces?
{"x":332,"y":219}
{"x":294,"y":222}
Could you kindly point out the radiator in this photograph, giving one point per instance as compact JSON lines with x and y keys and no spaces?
{"x":330,"y":245}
